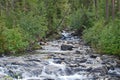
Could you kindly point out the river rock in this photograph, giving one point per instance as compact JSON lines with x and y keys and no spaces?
{"x":65,"y":47}
{"x":114,"y":73}
{"x":102,"y":70}
{"x":73,"y":65}
{"x":42,"y":43}
{"x":58,"y":60}
{"x":54,"y":70}
{"x":77,"y":52}
{"x":93,"y":56}
{"x":49,"y":79}
{"x":69,"y":71}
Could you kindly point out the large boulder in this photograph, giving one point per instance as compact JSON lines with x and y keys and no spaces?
{"x":65,"y":47}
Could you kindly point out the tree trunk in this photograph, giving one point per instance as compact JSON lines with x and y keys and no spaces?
{"x":24,"y":5}
{"x":119,"y":6}
{"x":0,"y":10}
{"x":62,"y":20}
{"x":107,"y":9}
{"x":96,"y":7}
{"x":7,"y":8}
{"x":113,"y":9}
{"x":12,"y":4}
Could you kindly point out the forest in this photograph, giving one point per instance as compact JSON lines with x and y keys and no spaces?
{"x":26,"y":22}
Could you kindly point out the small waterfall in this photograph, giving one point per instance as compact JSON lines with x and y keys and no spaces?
{"x":57,"y":74}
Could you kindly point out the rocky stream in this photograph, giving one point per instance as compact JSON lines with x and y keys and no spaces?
{"x":64,"y":59}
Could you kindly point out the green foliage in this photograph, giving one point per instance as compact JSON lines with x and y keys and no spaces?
{"x":35,"y":26}
{"x":105,"y":38}
{"x":56,"y":14}
{"x":13,"y":40}
{"x":76,"y":19}
{"x":6,"y":78}
{"x":91,"y":35}
{"x":109,"y":41}
{"x":36,"y":19}
{"x":36,"y":46}
{"x":2,"y":37}
{"x":81,"y":20}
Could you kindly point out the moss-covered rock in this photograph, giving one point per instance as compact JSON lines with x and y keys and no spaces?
{"x":36,"y":46}
{"x":6,"y":78}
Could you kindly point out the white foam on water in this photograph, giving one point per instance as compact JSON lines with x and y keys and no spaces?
{"x":53,"y":76}
{"x":2,"y":71}
{"x":62,"y":66}
{"x":73,"y":77}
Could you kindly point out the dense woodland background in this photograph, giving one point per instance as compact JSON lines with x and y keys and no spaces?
{"x":24,"y":22}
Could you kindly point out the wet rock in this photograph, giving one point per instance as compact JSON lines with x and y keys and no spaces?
{"x":80,"y":60}
{"x":93,"y":56}
{"x":15,"y":74}
{"x":113,"y":78}
{"x":58,"y":60}
{"x":36,"y":46}
{"x":65,"y":35}
{"x":114,"y":73}
{"x":77,"y":69}
{"x":118,"y":63}
{"x":36,"y":60}
{"x":55,"y":69}
{"x":65,"y":47}
{"x":82,"y":69}
{"x":109,"y":66}
{"x":42,"y":43}
{"x":102,"y":70}
{"x":49,"y":79}
{"x":77,"y":52}
{"x":98,"y":59}
{"x":69,"y":71}
{"x":109,"y":62}
{"x":19,"y":64}
{"x":83,"y":52}
{"x":73,"y":65}
{"x":74,"y":34}
{"x":36,"y":72}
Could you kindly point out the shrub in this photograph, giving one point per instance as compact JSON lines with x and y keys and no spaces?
{"x":105,"y":38}
{"x":92,"y":34}
{"x":109,"y":41}
{"x":80,"y":20}
{"x":13,"y":41}
{"x":35,"y":26}
{"x":2,"y":37}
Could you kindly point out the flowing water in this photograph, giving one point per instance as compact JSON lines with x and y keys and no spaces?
{"x":80,"y":63}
